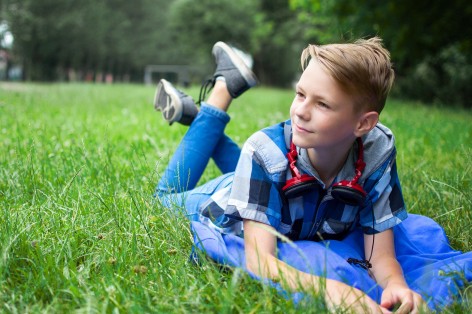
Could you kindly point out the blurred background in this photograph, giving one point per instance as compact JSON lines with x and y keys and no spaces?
{"x":140,"y":41}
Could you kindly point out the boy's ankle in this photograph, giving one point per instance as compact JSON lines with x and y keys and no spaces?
{"x":220,"y":86}
{"x":220,"y":96}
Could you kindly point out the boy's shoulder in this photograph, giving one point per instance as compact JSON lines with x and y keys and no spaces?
{"x":270,"y":145}
{"x":278,"y":134}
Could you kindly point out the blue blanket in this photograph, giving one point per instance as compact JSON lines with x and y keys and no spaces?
{"x":431,"y":266}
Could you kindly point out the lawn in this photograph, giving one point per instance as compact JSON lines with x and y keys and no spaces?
{"x":79,"y":230}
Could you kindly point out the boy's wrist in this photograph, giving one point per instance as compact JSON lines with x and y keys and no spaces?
{"x":397,"y":282}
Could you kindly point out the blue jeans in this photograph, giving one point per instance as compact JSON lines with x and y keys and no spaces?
{"x":204,"y":139}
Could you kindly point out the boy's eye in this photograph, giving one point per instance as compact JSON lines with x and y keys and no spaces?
{"x":322,"y":104}
{"x":299,"y":95}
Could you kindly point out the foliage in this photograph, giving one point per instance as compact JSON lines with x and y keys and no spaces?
{"x":80,"y":231}
{"x":284,"y":42}
{"x":443,"y":79}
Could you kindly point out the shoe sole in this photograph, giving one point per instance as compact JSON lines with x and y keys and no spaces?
{"x":246,"y":73}
{"x":167,"y":101}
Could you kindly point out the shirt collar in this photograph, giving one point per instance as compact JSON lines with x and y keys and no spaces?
{"x":347,"y":172}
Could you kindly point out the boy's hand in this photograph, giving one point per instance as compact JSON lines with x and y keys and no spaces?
{"x":409,"y":301}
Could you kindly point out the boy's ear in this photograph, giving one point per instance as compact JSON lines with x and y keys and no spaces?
{"x":367,"y":122}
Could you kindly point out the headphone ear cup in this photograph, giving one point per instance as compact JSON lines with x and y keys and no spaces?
{"x":352,"y":195}
{"x":296,"y":186}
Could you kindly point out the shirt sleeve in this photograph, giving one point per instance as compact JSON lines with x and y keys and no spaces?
{"x":385,"y":207}
{"x":255,"y":195}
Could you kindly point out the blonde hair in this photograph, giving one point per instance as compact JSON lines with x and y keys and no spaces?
{"x":363,"y":69}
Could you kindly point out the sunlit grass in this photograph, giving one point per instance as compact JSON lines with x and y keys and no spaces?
{"x":79,"y":230}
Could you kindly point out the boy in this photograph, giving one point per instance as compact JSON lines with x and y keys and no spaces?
{"x":318,"y":176}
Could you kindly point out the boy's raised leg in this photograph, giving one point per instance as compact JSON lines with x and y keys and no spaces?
{"x":231,"y":78}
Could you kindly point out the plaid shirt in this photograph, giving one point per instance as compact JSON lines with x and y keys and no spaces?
{"x":256,"y":190}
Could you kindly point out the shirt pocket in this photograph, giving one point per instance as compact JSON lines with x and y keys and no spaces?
{"x":333,"y":226}
{"x":340,"y":220}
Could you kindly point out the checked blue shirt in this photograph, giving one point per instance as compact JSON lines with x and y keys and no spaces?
{"x":255,"y":193}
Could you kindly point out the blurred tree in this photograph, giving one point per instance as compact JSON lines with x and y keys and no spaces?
{"x":113,"y":36}
{"x":137,"y":34}
{"x":293,"y":28}
{"x":284,"y":41}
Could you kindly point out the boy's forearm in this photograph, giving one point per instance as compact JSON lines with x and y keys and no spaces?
{"x":385,"y":266}
{"x":290,"y":278}
{"x":387,"y":270}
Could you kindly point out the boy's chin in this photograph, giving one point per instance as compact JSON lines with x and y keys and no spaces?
{"x":302,"y":143}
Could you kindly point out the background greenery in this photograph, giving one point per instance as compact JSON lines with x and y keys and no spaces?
{"x":430,"y":41}
{"x":79,"y":231}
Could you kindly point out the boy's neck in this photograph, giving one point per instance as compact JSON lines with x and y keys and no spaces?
{"x":328,"y":163}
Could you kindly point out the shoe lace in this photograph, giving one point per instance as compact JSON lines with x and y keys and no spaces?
{"x":207,"y":86}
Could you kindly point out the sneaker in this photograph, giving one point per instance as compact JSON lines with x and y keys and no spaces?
{"x":175,"y":105}
{"x":231,"y":65}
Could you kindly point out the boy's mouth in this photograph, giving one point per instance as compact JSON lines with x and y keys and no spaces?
{"x":301,"y":129}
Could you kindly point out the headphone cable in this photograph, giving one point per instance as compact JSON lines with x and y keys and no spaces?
{"x":365,"y":263}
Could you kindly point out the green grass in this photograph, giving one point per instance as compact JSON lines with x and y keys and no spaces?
{"x":79,"y":231}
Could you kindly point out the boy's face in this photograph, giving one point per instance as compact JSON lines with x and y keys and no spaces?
{"x":322,"y":114}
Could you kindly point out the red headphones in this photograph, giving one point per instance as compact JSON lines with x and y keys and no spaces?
{"x":349,"y":192}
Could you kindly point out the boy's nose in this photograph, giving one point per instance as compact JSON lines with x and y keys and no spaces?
{"x":302,"y":111}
